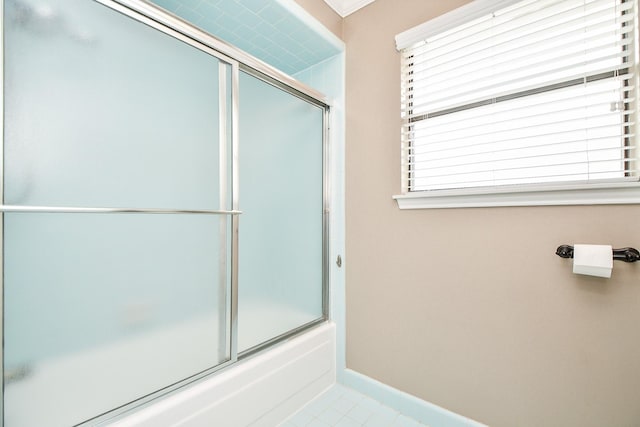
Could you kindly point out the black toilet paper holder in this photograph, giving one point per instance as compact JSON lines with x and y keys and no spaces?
{"x":622,"y":254}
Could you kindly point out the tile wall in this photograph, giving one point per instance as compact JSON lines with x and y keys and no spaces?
{"x":264,"y":28}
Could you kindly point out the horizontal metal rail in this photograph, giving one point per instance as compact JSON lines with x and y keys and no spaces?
{"x":68,"y":209}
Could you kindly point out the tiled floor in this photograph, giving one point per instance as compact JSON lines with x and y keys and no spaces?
{"x":342,"y":407}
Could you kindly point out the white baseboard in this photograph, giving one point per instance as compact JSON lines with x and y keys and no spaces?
{"x":411,"y":406}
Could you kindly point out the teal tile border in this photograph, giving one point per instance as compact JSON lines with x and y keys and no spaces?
{"x":418,"y":409}
{"x":279,"y":32}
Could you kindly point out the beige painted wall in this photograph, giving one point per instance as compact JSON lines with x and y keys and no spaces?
{"x":470,"y":308}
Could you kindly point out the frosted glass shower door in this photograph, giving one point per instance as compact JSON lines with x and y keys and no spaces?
{"x":116,"y":273}
{"x":281,"y":195}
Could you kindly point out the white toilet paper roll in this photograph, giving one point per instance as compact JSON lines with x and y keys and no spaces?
{"x":593,"y":260}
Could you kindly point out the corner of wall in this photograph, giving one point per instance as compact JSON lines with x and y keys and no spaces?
{"x":409,"y":405}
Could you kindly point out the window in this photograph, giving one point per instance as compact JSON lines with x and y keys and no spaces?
{"x":513,"y":97}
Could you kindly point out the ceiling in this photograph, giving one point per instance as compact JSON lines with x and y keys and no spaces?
{"x":347,"y":7}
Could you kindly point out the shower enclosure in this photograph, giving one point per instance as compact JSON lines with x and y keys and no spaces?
{"x":164,"y":208}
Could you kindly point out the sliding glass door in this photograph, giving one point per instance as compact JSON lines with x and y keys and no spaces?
{"x":281,"y":196}
{"x":127,"y":269}
{"x":106,"y":298}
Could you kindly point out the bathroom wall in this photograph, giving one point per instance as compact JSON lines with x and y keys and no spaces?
{"x":470,"y":309}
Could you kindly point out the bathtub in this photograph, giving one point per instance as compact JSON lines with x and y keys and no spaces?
{"x":261,"y":391}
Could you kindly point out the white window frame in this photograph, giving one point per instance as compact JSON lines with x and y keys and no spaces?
{"x":514,"y":195}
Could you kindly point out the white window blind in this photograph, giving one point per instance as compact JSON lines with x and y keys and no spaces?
{"x":534,"y":93}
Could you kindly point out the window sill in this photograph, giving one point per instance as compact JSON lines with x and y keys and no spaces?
{"x":595,"y":194}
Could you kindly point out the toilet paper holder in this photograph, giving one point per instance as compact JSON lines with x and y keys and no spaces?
{"x":622,"y":254}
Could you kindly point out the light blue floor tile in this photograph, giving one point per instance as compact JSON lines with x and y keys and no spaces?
{"x":385,"y":412}
{"x":348,"y":422}
{"x":318,"y":406}
{"x":353,"y":396}
{"x":404,"y":421}
{"x":370,"y":403}
{"x":359,"y":414}
{"x":342,"y":407}
{"x":301,"y":419}
{"x":330,"y":416}
{"x":379,"y":420}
